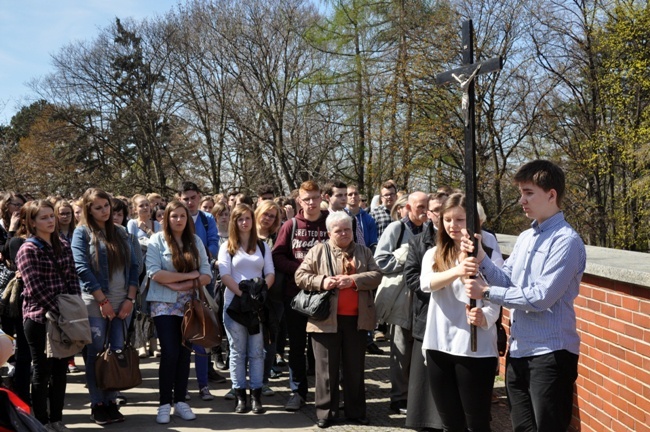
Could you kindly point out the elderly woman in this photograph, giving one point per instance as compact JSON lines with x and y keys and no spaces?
{"x":340,"y":339}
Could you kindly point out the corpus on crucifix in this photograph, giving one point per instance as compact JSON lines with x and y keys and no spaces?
{"x":465,"y":76}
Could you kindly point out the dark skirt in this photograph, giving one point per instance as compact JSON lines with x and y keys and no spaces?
{"x":421,"y":409}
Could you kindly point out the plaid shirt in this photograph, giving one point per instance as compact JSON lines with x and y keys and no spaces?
{"x":381,"y":215}
{"x":42,"y":279}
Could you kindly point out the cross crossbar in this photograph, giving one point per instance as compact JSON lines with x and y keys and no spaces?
{"x":491,"y":65}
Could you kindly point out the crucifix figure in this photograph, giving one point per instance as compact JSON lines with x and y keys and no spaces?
{"x":465,"y":76}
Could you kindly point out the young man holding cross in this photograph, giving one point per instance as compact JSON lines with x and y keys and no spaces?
{"x":539,"y":282}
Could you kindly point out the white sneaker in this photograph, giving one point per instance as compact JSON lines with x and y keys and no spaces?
{"x":183,"y":410}
{"x":163,"y":414}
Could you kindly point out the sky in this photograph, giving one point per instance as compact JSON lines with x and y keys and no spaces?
{"x":32,"y":30}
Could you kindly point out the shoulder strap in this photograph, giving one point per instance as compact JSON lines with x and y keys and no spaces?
{"x":261,"y":245}
{"x":330,"y":266}
{"x":294,"y":224}
{"x":401,"y":234}
{"x":204,"y":221}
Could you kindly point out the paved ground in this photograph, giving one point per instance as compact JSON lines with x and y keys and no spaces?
{"x":218,"y":414}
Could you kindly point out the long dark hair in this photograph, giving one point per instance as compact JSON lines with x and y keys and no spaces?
{"x":116,"y":247}
{"x":446,"y":252}
{"x":186,"y":259}
{"x":31,"y":211}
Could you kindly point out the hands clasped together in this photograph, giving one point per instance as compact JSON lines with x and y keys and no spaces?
{"x":339,"y":281}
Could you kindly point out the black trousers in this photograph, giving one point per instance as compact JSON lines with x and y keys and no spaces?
{"x":540,"y":391}
{"x":174,"y":370}
{"x":462,"y":388}
{"x":49,"y":380}
{"x":297,"y":330}
{"x":344,"y":350}
{"x":421,"y":408}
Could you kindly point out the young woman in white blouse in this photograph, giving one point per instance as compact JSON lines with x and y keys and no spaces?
{"x":242,"y":259}
{"x":461,"y":380}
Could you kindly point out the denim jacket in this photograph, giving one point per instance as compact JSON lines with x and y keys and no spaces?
{"x":85,"y":259}
{"x":159,"y":257}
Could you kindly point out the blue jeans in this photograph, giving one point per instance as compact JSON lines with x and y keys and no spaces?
{"x":174,"y":370}
{"x":98,"y":328}
{"x":243,"y":348}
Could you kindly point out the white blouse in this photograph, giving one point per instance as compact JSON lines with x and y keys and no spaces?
{"x":447,"y":328}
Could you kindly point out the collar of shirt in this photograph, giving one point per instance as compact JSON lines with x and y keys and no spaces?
{"x":413,"y":227}
{"x":548,"y":224}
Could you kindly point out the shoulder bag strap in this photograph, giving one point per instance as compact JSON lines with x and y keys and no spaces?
{"x":330,"y":266}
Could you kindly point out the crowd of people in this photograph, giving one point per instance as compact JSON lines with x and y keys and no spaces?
{"x":403,"y":268}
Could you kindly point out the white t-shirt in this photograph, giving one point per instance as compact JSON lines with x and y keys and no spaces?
{"x":447,"y":328}
{"x":244,"y":266}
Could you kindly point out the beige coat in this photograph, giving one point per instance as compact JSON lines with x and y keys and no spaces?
{"x":314,"y":270}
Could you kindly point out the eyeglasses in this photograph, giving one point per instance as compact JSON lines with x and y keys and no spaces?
{"x":269,"y":216}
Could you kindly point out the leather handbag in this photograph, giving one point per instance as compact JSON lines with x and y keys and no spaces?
{"x":315,"y":304}
{"x":200,"y":326}
{"x":117,"y":370}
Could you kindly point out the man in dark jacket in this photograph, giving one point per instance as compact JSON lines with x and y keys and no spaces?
{"x":296,"y":237}
{"x":421,"y":409}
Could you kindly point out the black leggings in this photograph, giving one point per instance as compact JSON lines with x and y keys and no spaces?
{"x":462,"y":390}
{"x":49,"y":381}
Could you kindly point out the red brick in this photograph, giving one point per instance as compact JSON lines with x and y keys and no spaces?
{"x":634,"y":385}
{"x":599,"y":294}
{"x":642,"y":348}
{"x":608,"y":310}
{"x":614,"y":299}
{"x":637,"y":413}
{"x":629,"y":370}
{"x":595,"y":330}
{"x":640,"y":427}
{"x":634,"y":331}
{"x":634,"y":359}
{"x":627,"y":395}
{"x":610,"y":411}
{"x":644,"y":307}
{"x":593,"y":305}
{"x":643,"y":404}
{"x":641,"y":320}
{"x":617,"y":326}
{"x":586,"y":315}
{"x":602,"y":320}
{"x":627,"y":342}
{"x":631,"y":303}
{"x":624,"y":315}
{"x":640,"y":374}
{"x":625,"y":423}
{"x":617,"y":352}
{"x":611,"y":387}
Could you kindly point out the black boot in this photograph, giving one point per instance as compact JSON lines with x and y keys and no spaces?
{"x":241,"y":400}
{"x":256,"y":401}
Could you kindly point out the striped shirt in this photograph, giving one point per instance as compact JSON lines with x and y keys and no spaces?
{"x":539,"y":282}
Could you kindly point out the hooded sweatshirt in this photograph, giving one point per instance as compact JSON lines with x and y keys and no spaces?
{"x":287,"y":254}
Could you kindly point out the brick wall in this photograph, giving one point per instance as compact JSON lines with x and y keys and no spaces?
{"x":613,"y":386}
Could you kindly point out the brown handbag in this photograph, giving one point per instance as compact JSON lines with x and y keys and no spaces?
{"x":117,"y":369}
{"x":200,"y":326}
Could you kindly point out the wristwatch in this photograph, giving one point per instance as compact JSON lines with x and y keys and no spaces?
{"x":486,"y":294}
{"x":132,"y":300}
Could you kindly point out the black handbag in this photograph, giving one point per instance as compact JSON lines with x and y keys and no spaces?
{"x":117,"y":370}
{"x":315,"y":304}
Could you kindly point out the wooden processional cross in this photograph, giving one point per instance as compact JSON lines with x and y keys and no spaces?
{"x":464,"y":76}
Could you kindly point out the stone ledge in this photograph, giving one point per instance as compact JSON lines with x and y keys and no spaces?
{"x":614,"y":264}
